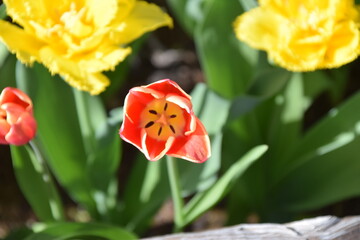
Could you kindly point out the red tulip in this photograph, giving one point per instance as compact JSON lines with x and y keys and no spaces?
{"x":159,"y":120}
{"x":17,"y":124}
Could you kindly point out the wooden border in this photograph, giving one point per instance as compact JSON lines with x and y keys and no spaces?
{"x":319,"y":228}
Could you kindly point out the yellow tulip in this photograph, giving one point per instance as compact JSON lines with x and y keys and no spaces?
{"x":78,"y":39}
{"x":303,"y":35}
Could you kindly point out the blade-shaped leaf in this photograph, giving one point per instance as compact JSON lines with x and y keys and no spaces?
{"x":329,"y":176}
{"x":7,"y":72}
{"x":248,"y":4}
{"x":325,"y":160}
{"x":35,"y":183}
{"x":146,"y":190}
{"x":59,"y":130}
{"x":67,"y":231}
{"x":200,"y":177}
{"x":189,"y":13}
{"x":205,"y":200}
{"x":227,"y":69}
{"x":329,"y":133}
{"x":211,"y":108}
{"x":102,"y":148}
{"x":267,"y":82}
{"x":3,"y":11}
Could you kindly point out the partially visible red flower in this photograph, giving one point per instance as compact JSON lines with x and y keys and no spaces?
{"x":17,"y":124}
{"x":159,"y":120}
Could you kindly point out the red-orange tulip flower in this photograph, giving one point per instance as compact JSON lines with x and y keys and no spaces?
{"x":17,"y":124}
{"x":159,"y":120}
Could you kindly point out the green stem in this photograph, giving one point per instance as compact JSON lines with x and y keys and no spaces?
{"x":54,"y":199}
{"x":176,"y":193}
{"x":84,"y":119}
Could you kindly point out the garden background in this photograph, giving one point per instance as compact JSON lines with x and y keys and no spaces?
{"x":308,"y":121}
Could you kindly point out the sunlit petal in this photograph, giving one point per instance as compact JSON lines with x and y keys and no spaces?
{"x":195,"y":147}
{"x":143,"y":18}
{"x":25,"y":46}
{"x":78,"y":39}
{"x":159,"y":120}
{"x":303,"y":35}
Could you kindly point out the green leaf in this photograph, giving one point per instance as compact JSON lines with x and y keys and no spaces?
{"x":315,"y":83}
{"x":19,"y":233}
{"x":242,"y":105}
{"x":4,"y":53}
{"x":199,"y":177}
{"x":3,"y":11}
{"x":85,"y":153}
{"x":269,"y":81}
{"x":205,"y":200}
{"x":188,"y":12}
{"x":102,"y":148}
{"x":285,"y":124}
{"x":212,"y":111}
{"x":67,"y":231}
{"x":210,"y":108}
{"x":330,"y":133}
{"x":59,"y":131}
{"x":145,"y":191}
{"x":325,"y":161}
{"x":326,"y":178}
{"x":35,"y":183}
{"x":227,"y":69}
{"x":248,"y":4}
{"x":7,"y":71}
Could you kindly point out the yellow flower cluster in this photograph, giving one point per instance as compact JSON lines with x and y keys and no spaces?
{"x":303,"y":35}
{"x":78,"y":39}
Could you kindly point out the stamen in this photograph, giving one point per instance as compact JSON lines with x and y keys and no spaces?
{"x":172,"y":128}
{"x":159,"y":132}
{"x":153,"y":112}
{"x":165,"y":107}
{"x":149,"y":124}
{"x":173,"y":116}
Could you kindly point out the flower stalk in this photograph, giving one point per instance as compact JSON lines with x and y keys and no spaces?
{"x":176,"y":193}
{"x":42,"y":168}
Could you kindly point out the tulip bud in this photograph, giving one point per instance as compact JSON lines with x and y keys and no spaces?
{"x":17,"y":123}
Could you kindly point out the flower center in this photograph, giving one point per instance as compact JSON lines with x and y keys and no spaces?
{"x":75,"y":22}
{"x":162,"y":119}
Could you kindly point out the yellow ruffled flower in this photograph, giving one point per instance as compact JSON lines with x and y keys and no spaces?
{"x":78,"y":39}
{"x":303,"y":35}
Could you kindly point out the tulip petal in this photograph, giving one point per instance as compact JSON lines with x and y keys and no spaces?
{"x":14,"y":95}
{"x":73,"y":73}
{"x":22,"y":11}
{"x":4,"y":129}
{"x":20,"y":42}
{"x":13,"y":112}
{"x":195,"y":147}
{"x":125,"y":7}
{"x":343,"y":46}
{"x":182,"y":102}
{"x":154,"y":149}
{"x":22,"y":131}
{"x":144,"y":17}
{"x":103,"y":59}
{"x":169,"y":87}
{"x":261,"y":28}
{"x":131,"y":133}
{"x":102,"y":12}
{"x":135,"y":102}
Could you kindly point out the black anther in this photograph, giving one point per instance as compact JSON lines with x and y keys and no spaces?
{"x":149,"y":124}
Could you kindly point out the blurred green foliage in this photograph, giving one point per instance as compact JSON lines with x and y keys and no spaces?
{"x":266,"y":158}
